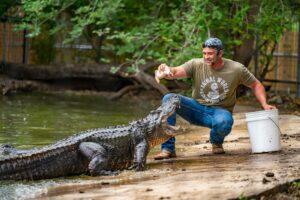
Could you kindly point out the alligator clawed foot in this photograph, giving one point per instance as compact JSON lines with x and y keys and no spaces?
{"x":137,"y":167}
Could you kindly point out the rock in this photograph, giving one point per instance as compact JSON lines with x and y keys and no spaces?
{"x":265,"y":180}
{"x":269,"y":174}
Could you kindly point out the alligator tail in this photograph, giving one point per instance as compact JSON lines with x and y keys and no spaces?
{"x":40,"y":165}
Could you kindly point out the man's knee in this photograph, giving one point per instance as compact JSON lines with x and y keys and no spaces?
{"x":168,"y":96}
{"x":223,"y":124}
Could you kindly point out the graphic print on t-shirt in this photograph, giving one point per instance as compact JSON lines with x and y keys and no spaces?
{"x":214,"y":89}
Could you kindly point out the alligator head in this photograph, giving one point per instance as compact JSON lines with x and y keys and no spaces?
{"x":167,"y":109}
{"x":159,"y":129}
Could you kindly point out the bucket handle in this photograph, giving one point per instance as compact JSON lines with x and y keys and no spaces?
{"x":275,"y":125}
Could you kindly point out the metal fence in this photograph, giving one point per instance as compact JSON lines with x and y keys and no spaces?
{"x":14,"y":46}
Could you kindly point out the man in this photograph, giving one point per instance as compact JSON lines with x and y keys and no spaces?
{"x":215,"y":80}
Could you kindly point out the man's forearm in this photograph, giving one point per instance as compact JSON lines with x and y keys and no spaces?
{"x":260,"y":94}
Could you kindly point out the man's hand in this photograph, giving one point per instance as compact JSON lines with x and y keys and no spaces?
{"x":268,"y":107}
{"x":162,"y":71}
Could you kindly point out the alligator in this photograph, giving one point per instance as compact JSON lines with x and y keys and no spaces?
{"x":95,"y":152}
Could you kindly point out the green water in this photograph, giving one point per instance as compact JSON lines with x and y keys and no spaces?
{"x":35,"y":120}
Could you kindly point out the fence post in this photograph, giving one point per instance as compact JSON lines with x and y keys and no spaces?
{"x":25,"y":47}
{"x":4,"y":44}
{"x":298,"y":56}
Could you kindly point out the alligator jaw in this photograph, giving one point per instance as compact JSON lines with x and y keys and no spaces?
{"x":167,"y":128}
{"x":172,"y":130}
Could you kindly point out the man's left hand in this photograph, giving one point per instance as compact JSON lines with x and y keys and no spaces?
{"x":269,"y":107}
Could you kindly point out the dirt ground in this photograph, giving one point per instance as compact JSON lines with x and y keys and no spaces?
{"x":198,"y":174}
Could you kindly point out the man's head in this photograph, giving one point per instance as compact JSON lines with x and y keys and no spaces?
{"x":212,"y":51}
{"x":215,"y":43}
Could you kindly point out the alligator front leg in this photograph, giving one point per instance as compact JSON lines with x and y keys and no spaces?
{"x":98,"y":158}
{"x":140,"y":156}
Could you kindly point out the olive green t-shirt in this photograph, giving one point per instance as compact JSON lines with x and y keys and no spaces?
{"x":217,"y":87}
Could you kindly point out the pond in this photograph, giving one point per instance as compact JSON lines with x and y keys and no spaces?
{"x":30,"y":120}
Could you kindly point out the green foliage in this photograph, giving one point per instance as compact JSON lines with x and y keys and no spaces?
{"x":114,"y":69}
{"x":43,"y":47}
{"x":5,"y":5}
{"x":242,"y":197}
{"x":297,"y":184}
{"x":97,"y":13}
{"x":134,"y":32}
{"x":274,"y":18}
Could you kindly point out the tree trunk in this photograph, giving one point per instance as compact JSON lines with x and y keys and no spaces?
{"x":245,"y":51}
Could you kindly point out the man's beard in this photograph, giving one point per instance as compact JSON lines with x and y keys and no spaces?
{"x":211,"y":63}
{"x":214,"y":62}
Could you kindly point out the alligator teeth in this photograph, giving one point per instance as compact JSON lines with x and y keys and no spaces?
{"x":172,"y":130}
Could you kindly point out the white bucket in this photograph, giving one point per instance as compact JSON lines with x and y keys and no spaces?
{"x":264,"y":132}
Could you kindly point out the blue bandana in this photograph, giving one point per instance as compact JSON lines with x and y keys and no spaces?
{"x":215,"y":43}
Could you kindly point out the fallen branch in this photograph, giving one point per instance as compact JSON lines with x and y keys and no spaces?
{"x":149,"y":82}
{"x":123,"y":91}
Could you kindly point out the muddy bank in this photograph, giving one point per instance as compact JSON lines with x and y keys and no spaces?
{"x":198,"y":174}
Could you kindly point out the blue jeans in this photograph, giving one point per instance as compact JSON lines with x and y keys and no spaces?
{"x":219,"y":120}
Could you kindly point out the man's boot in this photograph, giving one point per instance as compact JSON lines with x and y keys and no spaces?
{"x":217,"y":149}
{"x":165,"y":154}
